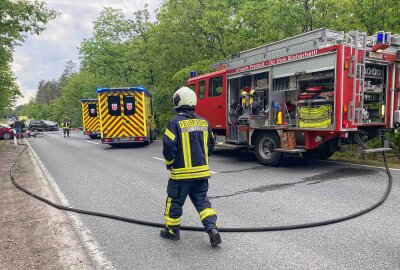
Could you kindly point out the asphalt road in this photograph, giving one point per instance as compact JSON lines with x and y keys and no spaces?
{"x":132,"y":182}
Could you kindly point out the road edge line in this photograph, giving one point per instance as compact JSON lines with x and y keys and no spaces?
{"x":90,"y":245}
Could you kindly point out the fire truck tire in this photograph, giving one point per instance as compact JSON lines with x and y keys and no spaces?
{"x":322,"y":153}
{"x":93,"y":136}
{"x":264,"y":146}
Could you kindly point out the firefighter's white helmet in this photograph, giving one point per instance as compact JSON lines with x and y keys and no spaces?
{"x":184,"y":97}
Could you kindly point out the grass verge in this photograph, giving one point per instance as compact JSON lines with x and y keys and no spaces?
{"x":351,"y":156}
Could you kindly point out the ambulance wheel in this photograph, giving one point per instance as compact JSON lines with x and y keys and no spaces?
{"x":154,"y":135}
{"x":148,"y":138}
{"x":151,"y":136}
{"x":116,"y":145}
{"x":264,"y":146}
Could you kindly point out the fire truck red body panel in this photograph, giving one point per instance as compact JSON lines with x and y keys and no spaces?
{"x":259,"y":93}
{"x":212,"y":106}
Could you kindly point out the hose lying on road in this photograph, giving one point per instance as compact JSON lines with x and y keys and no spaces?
{"x":190,"y":228}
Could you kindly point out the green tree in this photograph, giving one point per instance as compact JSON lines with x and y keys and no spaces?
{"x":193,"y":34}
{"x":373,"y":16}
{"x":18,"y":19}
{"x":48,"y":91}
{"x":69,"y":70}
{"x":81,"y":85}
{"x":105,"y":53}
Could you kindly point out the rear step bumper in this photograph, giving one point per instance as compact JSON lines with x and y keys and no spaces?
{"x":291,"y":151}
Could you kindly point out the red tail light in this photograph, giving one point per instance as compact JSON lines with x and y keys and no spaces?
{"x":345,"y":121}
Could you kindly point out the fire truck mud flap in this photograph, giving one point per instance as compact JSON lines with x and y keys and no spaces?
{"x":323,"y":152}
{"x":264,"y":146}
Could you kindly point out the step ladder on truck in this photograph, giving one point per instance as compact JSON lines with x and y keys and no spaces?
{"x":307,"y":94}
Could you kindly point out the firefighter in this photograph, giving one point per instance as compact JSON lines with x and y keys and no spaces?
{"x":187,"y":143}
{"x":66,"y":125}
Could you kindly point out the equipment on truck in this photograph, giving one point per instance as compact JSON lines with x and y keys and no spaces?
{"x":325,"y":87}
{"x":126,"y":115}
{"x":90,"y":118}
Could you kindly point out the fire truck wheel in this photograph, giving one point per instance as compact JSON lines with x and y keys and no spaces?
{"x":93,"y":136}
{"x":264,"y":146}
{"x":320,"y":153}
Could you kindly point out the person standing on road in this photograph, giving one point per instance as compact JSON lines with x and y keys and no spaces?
{"x":187,"y":143}
{"x":18,"y":128}
{"x":66,"y":125}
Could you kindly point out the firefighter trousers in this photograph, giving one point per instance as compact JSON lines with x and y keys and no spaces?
{"x":66,"y":132}
{"x":197,"y":191}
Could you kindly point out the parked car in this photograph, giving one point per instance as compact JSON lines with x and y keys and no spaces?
{"x":6,"y":132}
{"x":42,"y":125}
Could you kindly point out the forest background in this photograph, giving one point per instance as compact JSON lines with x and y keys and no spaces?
{"x":186,"y":35}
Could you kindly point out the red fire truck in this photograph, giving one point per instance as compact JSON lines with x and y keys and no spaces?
{"x":307,"y":94}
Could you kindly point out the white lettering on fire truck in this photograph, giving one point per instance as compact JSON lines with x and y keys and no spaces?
{"x":277,"y":61}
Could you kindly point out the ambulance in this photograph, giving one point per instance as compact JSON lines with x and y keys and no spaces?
{"x":126,"y":115}
{"x":90,"y":118}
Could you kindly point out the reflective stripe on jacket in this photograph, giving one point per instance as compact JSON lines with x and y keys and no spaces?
{"x":187,"y":143}
{"x":66,"y":125}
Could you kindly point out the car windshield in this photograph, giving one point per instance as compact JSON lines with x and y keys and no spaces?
{"x":50,"y":123}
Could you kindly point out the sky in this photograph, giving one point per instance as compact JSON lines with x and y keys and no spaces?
{"x":44,"y":57}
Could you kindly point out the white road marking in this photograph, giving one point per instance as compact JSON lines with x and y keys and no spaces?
{"x":90,"y":244}
{"x":92,"y":142}
{"x":360,"y":165}
{"x":161,"y":159}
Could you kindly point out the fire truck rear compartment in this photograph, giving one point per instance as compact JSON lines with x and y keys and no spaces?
{"x":375,"y":93}
{"x":306,"y":101}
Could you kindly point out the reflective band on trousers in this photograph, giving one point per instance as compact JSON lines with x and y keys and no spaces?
{"x":172,"y":222}
{"x":168,"y":206}
{"x":206,"y":213}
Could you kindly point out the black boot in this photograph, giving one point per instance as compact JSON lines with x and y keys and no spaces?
{"x":170,"y":234}
{"x":215,"y":237}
